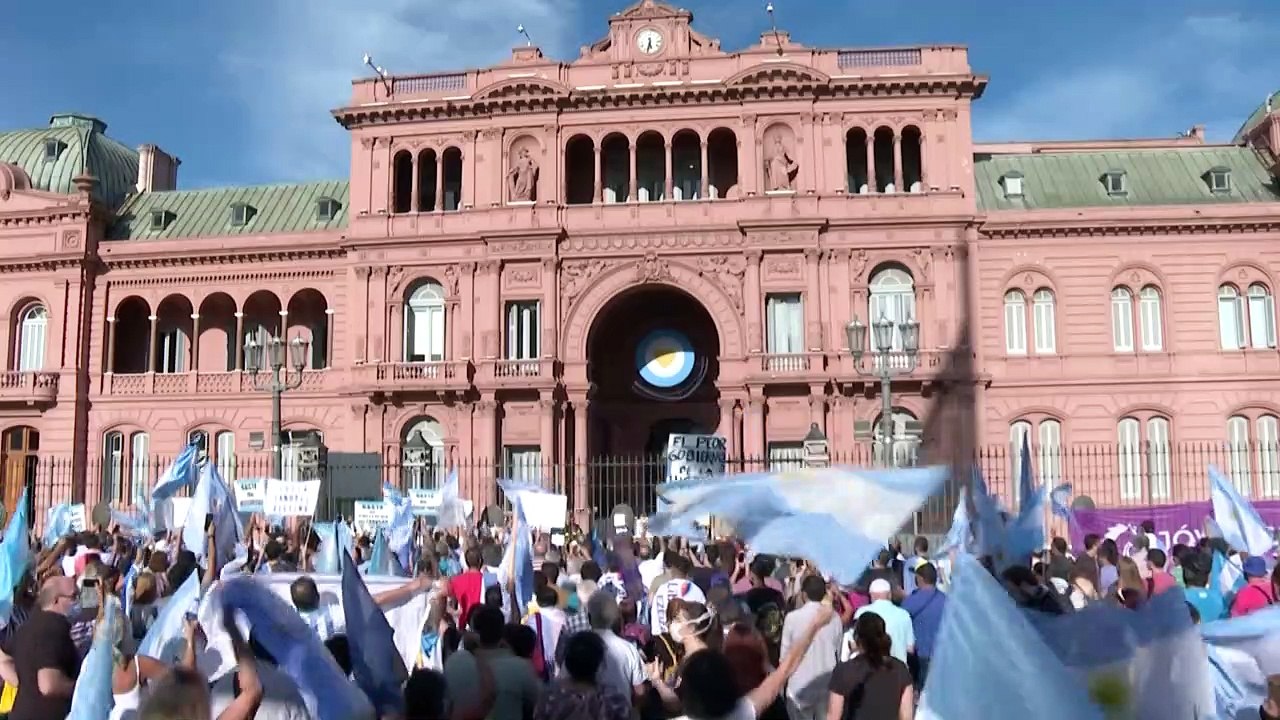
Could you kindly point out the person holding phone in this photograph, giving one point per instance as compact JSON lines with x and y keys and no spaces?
{"x":42,"y":657}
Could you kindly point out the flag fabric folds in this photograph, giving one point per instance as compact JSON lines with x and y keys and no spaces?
{"x":520,"y":550}
{"x":296,"y":648}
{"x":1060,"y":502}
{"x":181,"y":473}
{"x":1243,"y":651}
{"x":336,"y":538}
{"x":57,"y":523}
{"x":214,"y":498}
{"x":164,"y":640}
{"x":15,"y":556}
{"x":92,"y":698}
{"x":958,"y":537}
{"x":1238,"y":520}
{"x":838,"y":518}
{"x":452,"y":513}
{"x":375,"y":662}
{"x":136,"y":526}
{"x":979,"y":674}
{"x":400,"y":532}
{"x":1025,"y":534}
{"x":382,"y":562}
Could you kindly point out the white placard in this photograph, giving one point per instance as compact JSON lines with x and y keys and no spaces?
{"x":291,"y":499}
{"x":251,"y":495}
{"x":371,"y":515}
{"x":79,"y":520}
{"x":544,"y":511}
{"x":691,"y":457}
{"x":425,"y":502}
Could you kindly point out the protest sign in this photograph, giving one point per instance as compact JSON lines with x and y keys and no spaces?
{"x":372,"y":515}
{"x":291,"y":499}
{"x":79,"y":519}
{"x":545,"y":511}
{"x":425,"y":502}
{"x":251,"y":495}
{"x":1180,"y":523}
{"x":690,"y":457}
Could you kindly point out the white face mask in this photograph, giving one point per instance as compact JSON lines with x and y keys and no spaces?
{"x":679,"y":628}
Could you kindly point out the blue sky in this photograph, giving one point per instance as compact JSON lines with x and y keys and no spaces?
{"x":241,"y":89}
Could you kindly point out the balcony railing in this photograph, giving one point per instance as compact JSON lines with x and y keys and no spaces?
{"x":393,"y":376}
{"x":503,"y":371}
{"x":197,"y":383}
{"x":29,"y":387}
{"x":783,"y":364}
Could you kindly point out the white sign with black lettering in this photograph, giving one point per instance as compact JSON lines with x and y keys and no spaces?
{"x":291,"y":499}
{"x":691,"y":457}
{"x":372,"y":515}
{"x":251,"y":495}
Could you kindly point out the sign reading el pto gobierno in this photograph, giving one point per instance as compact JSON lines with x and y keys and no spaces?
{"x":690,"y":457}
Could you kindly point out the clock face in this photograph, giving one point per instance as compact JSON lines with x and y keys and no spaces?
{"x":649,"y":41}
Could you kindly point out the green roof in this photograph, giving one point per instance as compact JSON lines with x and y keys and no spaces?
{"x":1271,"y":104}
{"x":83,"y":145}
{"x":287,"y":208}
{"x":1168,"y":176}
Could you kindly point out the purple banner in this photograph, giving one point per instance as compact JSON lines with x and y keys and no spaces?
{"x":1183,"y":523}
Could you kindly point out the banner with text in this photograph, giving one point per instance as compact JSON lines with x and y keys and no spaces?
{"x":372,"y":515}
{"x":1181,"y":523}
{"x":283,"y":498}
{"x":251,"y":495}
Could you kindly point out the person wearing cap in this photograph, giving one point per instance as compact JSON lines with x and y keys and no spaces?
{"x":897,"y":622}
{"x":1258,"y":592}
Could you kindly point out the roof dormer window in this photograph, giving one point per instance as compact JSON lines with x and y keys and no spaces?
{"x":1116,"y":183}
{"x":241,"y":214}
{"x":1012,"y":184}
{"x":1219,"y":180}
{"x":327,"y":209}
{"x":160,"y":220}
{"x":53,"y":147}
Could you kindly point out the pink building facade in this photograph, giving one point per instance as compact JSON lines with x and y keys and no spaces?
{"x":542,"y":262}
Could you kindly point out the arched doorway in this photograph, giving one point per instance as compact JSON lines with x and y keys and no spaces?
{"x":652,"y":357}
{"x":19,"y":461}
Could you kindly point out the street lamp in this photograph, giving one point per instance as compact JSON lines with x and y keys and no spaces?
{"x":277,"y":382}
{"x":887,"y":363}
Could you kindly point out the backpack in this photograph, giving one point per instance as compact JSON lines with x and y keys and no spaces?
{"x":540,"y":665}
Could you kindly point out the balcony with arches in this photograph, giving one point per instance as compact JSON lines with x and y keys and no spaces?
{"x":183,"y":347}
{"x":27,"y":379}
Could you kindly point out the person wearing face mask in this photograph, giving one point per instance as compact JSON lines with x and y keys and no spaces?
{"x":42,"y":657}
{"x":695,"y":627}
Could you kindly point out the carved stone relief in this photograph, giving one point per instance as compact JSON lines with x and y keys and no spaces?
{"x":785,"y":266}
{"x":575,"y":276}
{"x":652,"y":269}
{"x":780,"y":163}
{"x":727,"y":271}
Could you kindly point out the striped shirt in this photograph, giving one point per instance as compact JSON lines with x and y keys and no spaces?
{"x":321,"y":621}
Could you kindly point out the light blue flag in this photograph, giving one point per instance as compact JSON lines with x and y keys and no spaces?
{"x":336,"y":538}
{"x":1025,"y":533}
{"x":130,"y":578}
{"x":1243,"y":651}
{"x":213,"y":497}
{"x":57,"y":524}
{"x":135,"y":525}
{"x":92,"y":698}
{"x":382,"y":562}
{"x":838,"y":518}
{"x":990,"y":664}
{"x":296,"y":648}
{"x":15,"y":556}
{"x":400,"y":530}
{"x":1060,"y":503}
{"x":1238,"y":519}
{"x":988,"y":521}
{"x":451,"y":513}
{"x":376,"y":664}
{"x":180,"y":474}
{"x":164,"y":640}
{"x":958,"y":537}
{"x":523,"y":559}
{"x":1147,"y":664}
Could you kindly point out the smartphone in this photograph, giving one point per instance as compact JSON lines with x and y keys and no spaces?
{"x":89,"y":593}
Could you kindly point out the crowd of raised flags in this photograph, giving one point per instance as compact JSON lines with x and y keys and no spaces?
{"x":995,"y":658}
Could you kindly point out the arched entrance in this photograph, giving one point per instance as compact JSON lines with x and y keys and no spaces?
{"x":653,"y":360}
{"x":18,"y":464}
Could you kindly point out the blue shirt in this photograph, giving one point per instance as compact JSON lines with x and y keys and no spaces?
{"x":1207,"y":602}
{"x":925,"y":606}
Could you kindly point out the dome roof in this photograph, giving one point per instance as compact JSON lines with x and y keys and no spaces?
{"x":13,"y":178}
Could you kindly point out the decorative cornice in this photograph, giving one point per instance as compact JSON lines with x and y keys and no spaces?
{"x":227,"y":278}
{"x":692,"y":242}
{"x":1123,"y":228}
{"x":221,"y":258}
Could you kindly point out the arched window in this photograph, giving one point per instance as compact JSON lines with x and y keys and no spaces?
{"x":893,"y":296}
{"x":224,"y":444}
{"x":1262,"y":316}
{"x":1050,"y":454}
{"x":1019,"y":433}
{"x":1015,"y":322}
{"x":422,"y":454}
{"x":1043,"y":319}
{"x":139,"y":467}
{"x":32,"y":335}
{"x":1238,"y":453}
{"x":1129,"y":439}
{"x":1230,"y":318}
{"x":112,"y":465}
{"x":424,"y":323}
{"x":1158,"y":460}
{"x":905,"y":439}
{"x":1122,"y":319}
{"x":1267,"y":431}
{"x":1151,"y":318}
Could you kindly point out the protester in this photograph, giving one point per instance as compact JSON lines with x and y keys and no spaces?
{"x":926,"y":607}
{"x":41,"y":660}
{"x":579,"y":695}
{"x":1204,"y":596}
{"x":1159,"y":579}
{"x":896,"y":620}
{"x":1087,"y":563}
{"x":1130,"y":589}
{"x":1059,"y":560}
{"x":678,"y":586}
{"x":623,"y":669}
{"x":873,"y":684}
{"x":745,"y":649}
{"x":807,"y":691}
{"x":1258,"y":591}
{"x":516,"y":686}
{"x":919,"y":556}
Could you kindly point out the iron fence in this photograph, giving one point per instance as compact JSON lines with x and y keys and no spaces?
{"x":1109,"y":475}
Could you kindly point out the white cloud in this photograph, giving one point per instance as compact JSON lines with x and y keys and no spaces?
{"x":288,"y":64}
{"x":1145,"y":84}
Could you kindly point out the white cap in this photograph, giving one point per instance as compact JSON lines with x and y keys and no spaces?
{"x":879,"y":586}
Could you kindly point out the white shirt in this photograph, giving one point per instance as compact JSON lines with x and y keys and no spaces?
{"x":897,"y":623}
{"x":679,"y":588}
{"x":650,"y":570}
{"x":809,"y":686}
{"x":623,"y":668}
{"x":553,"y":622}
{"x":323,"y":621}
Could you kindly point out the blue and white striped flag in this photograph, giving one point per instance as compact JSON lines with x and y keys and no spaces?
{"x":180,"y":474}
{"x":1243,"y":651}
{"x":1060,"y":502}
{"x":92,"y":698}
{"x":164,"y":640}
{"x":1238,"y":520}
{"x":15,"y":556}
{"x":57,"y":524}
{"x":452,"y":512}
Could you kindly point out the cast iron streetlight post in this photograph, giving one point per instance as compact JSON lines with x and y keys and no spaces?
{"x":882,"y":365}
{"x":277,"y":382}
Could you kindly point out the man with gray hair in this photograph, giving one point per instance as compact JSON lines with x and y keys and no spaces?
{"x":623,"y":668}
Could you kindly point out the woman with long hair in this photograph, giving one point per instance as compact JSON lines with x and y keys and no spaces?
{"x":748,"y":655}
{"x":1130,"y":588}
{"x":873,"y":685}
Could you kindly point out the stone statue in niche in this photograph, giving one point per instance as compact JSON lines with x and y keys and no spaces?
{"x":522,"y":178}
{"x":781,"y":168}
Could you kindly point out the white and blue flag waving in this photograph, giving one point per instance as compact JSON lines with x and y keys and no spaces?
{"x":15,"y":556}
{"x":92,"y":698}
{"x":1237,"y":518}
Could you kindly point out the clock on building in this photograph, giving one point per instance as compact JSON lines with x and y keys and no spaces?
{"x":649,"y":41}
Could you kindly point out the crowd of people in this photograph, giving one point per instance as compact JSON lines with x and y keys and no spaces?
{"x":648,"y":628}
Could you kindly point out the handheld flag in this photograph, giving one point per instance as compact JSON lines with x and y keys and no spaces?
{"x":1060,"y":501}
{"x":1243,"y":651}
{"x":375,"y":662}
{"x":92,"y":698}
{"x":57,"y":524}
{"x":1238,"y":520}
{"x":164,"y":640}
{"x":451,"y":513}
{"x":15,"y":556}
{"x":181,"y":473}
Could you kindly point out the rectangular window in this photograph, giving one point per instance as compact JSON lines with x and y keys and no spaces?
{"x":1238,"y":453}
{"x":1268,"y":471}
{"x":1015,"y":326}
{"x":1129,"y":437}
{"x":786,"y":456}
{"x":1046,"y":331}
{"x":1231,"y":321}
{"x":522,"y":330}
{"x":171,"y":351}
{"x":1149,"y":316}
{"x":139,"y":467}
{"x":225,"y":443}
{"x":426,"y":333}
{"x":1122,"y":321}
{"x":523,"y":463}
{"x":1158,"y":460}
{"x":1262,"y":320}
{"x":112,"y":465}
{"x":784,"y":323}
{"x":31,"y":354}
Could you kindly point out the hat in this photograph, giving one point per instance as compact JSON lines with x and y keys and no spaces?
{"x":880,"y":585}
{"x":1254,"y":566}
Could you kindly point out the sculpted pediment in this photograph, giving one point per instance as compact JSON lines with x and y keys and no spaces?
{"x":778,"y":73}
{"x":517,"y":87}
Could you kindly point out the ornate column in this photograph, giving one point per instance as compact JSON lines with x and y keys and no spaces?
{"x":153,"y":342}
{"x":490,"y":303}
{"x":633,"y":193}
{"x":924,"y":165}
{"x":871,"y":161}
{"x":379,"y":293}
{"x":812,"y":323}
{"x":581,"y":482}
{"x":359,"y":321}
{"x":111,"y":346}
{"x":753,"y":429}
{"x":841,"y":311}
{"x":551,"y":316}
{"x":239,"y":340}
{"x":704,"y":186}
{"x":439,"y":207}
{"x":669,"y":183}
{"x":840,"y":430}
{"x":753,"y":301}
{"x":416,"y":190}
{"x":193,"y":358}
{"x":547,"y":428}
{"x":749,"y":168}
{"x":328,"y":337}
{"x":726,"y":428}
{"x":897,"y":162}
{"x":466,"y":314}
{"x":818,"y":406}
{"x":598,"y":187}
{"x":395,"y":333}
{"x":484,"y":451}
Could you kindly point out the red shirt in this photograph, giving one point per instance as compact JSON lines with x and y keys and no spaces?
{"x":1161,"y":581}
{"x":1253,"y":596}
{"x":468,"y":590}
